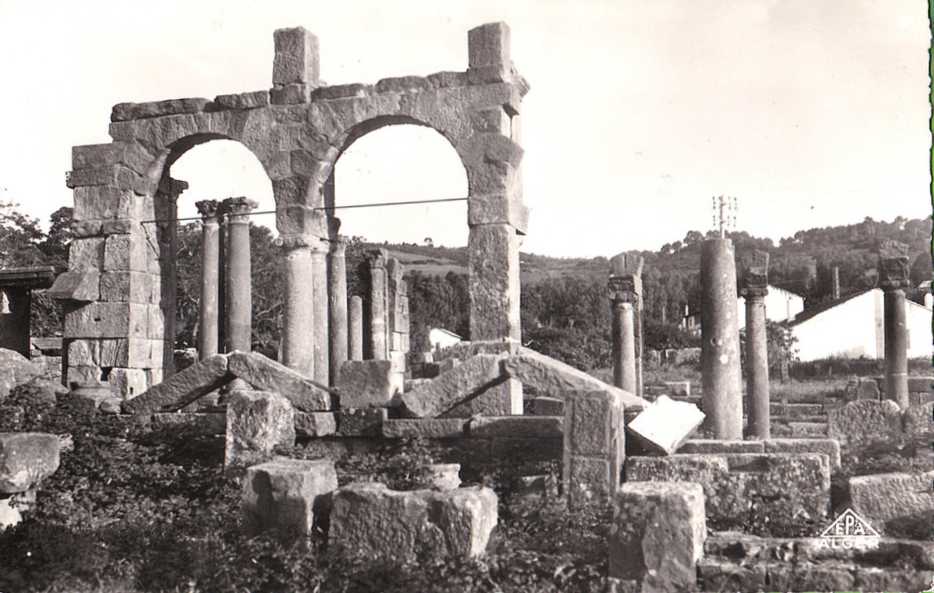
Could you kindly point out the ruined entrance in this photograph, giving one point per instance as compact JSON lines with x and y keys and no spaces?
{"x":117,"y":312}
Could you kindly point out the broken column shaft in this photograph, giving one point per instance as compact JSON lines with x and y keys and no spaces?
{"x":239,"y":284}
{"x":755,"y":288}
{"x":208,"y":333}
{"x":720,"y":356}
{"x":893,"y":279}
{"x":355,"y":330}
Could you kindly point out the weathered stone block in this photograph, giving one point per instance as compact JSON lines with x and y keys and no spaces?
{"x":918,"y":420}
{"x":103,"y":202}
{"x":882,"y":497}
{"x":266,"y":374}
{"x":515,"y":426}
{"x":429,"y":428}
{"x":658,"y":534}
{"x":76,"y":286}
{"x":721,"y":446}
{"x":546,"y":406}
{"x":865,"y":421}
{"x":130,"y":352}
{"x":315,"y":424}
{"x":243,"y":100}
{"x":130,"y":111}
{"x":128,"y":382}
{"x":498,"y":209}
{"x":183,"y":387}
{"x":83,"y":352}
{"x":205,"y":423}
{"x":553,"y":378}
{"x":921,"y":384}
{"x":489,"y":45}
{"x":26,"y":458}
{"x":290,"y":94}
{"x":366,"y":383}
{"x":452,"y":387}
{"x":83,"y":374}
{"x":257,"y":421}
{"x":678,"y":388}
{"x":107,"y":320}
{"x":594,"y":445}
{"x":665,"y":424}
{"x":828,"y":447}
{"x":500,"y":399}
{"x":86,"y":254}
{"x":296,"y":57}
{"x":440,"y":476}
{"x":360,"y":422}
{"x":287,"y":495}
{"x":132,"y":287}
{"x":494,"y":282}
{"x":126,"y":252}
{"x":370,"y":520}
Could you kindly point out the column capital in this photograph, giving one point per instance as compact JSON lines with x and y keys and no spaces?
{"x":171,"y":188}
{"x":208,"y":209}
{"x":237,"y":209}
{"x":754,"y":293}
{"x":893,"y":266}
{"x":293,"y":241}
{"x":338,"y":246}
{"x":626,"y":264}
{"x":756,"y":275}
{"x":624,"y":288}
{"x":377,"y":258}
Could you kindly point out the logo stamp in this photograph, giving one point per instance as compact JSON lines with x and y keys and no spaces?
{"x":849,"y":531}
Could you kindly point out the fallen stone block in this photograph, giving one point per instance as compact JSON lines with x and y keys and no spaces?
{"x":500,"y":399}
{"x":805,"y":430}
{"x":864,"y":422}
{"x":26,"y":458}
{"x":77,"y":285}
{"x":918,"y":420}
{"x":360,"y":422}
{"x":721,"y":446}
{"x":440,"y":476}
{"x":828,"y":447}
{"x":257,"y":421}
{"x":515,"y":427}
{"x":289,"y":496}
{"x":315,"y":424}
{"x":657,"y":536}
{"x":553,"y":378}
{"x":366,"y":383}
{"x":268,"y":375}
{"x":429,"y":428}
{"x":182,"y":388}
{"x":882,"y":497}
{"x":15,"y":369}
{"x":665,"y":424}
{"x":370,"y":520}
{"x":450,"y":388}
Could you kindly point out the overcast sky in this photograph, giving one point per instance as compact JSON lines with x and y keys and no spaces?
{"x":811,"y":112}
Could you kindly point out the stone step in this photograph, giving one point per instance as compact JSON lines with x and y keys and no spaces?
{"x":796,"y":410}
{"x":776,"y":575}
{"x":799,"y":419}
{"x":808,"y":429}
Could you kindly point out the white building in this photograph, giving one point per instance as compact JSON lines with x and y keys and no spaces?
{"x":852,"y":327}
{"x":780,"y":305}
{"x":442,"y":338}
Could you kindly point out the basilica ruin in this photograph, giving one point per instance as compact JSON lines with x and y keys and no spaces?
{"x":679,"y":468}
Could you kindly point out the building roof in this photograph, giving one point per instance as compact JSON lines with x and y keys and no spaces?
{"x":825,"y":306}
{"x":31,"y":277}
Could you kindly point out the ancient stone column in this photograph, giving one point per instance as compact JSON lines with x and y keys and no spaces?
{"x":337,"y":304}
{"x":893,"y":279}
{"x":355,"y":333}
{"x":210,"y":282}
{"x":239,"y":285}
{"x":378,"y":305}
{"x":625,"y":293}
{"x":223,"y":239}
{"x":298,"y":328}
{"x":166,"y":209}
{"x":720,"y":356}
{"x":319,"y":273}
{"x":755,"y":287}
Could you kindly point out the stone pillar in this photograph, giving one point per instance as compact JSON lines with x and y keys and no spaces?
{"x":298,"y":327}
{"x":166,"y":210}
{"x":720,"y":357}
{"x":239,"y":285}
{"x":755,"y":287}
{"x":893,"y":279}
{"x":208,"y":333}
{"x":355,"y":333}
{"x":337,"y":304}
{"x":319,"y":273}
{"x":223,"y":240}
{"x":625,"y":292}
{"x":378,"y":305}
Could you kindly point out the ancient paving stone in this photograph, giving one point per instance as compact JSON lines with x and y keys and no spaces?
{"x":266,"y":374}
{"x":182,"y":388}
{"x":257,"y":421}
{"x":315,"y":424}
{"x":882,"y":497}
{"x":359,"y":422}
{"x":828,"y":447}
{"x":721,"y":446}
{"x":26,"y":458}
{"x":553,"y":378}
{"x":287,"y":495}
{"x":500,"y":399}
{"x":452,"y":387}
{"x":657,"y":535}
{"x":429,"y":428}
{"x":14,"y":370}
{"x":665,"y":424}
{"x":372,"y":521}
{"x":865,"y":421}
{"x":366,"y":383}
